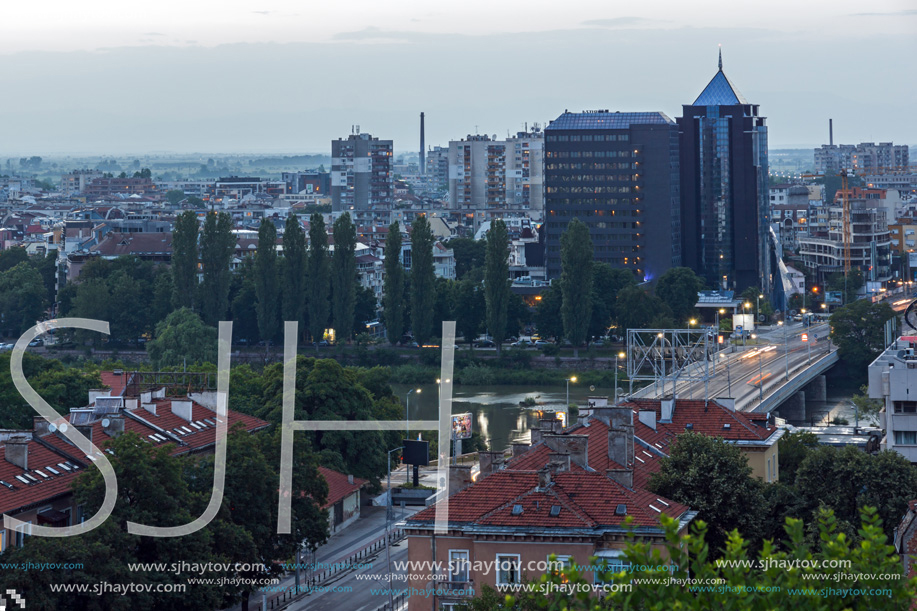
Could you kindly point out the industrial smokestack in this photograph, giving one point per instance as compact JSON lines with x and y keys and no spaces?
{"x":830,"y":131}
{"x":422,"y":147}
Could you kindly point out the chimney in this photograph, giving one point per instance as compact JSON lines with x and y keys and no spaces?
{"x":625,"y":477}
{"x":86,"y":430}
{"x":17,"y":451}
{"x":130,"y":404}
{"x":182,"y":409}
{"x":831,"y":132}
{"x":150,"y":407}
{"x":544,"y":478}
{"x":559,"y":461}
{"x":576,"y":446}
{"x":40,"y":426}
{"x":668,"y":410}
{"x":727,"y":402}
{"x":422,"y":146}
{"x":648,"y":417}
{"x":459,"y":478}
{"x":490,"y":462}
{"x":614,"y":416}
{"x":520,"y":448}
{"x":95,"y":393}
{"x":621,"y":445}
{"x":113,"y":425}
{"x":350,"y":479}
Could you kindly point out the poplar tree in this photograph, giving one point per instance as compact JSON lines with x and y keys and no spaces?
{"x":496,"y":281}
{"x":576,"y":282}
{"x":318,"y":274}
{"x":393,"y":289}
{"x":267,"y":290}
{"x":343,"y":276}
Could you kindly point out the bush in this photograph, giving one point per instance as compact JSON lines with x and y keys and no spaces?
{"x":551,"y":350}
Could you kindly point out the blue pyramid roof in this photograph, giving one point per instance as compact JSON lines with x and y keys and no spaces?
{"x":720,"y":92}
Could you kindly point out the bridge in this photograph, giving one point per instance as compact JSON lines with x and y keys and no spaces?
{"x":780,"y":368}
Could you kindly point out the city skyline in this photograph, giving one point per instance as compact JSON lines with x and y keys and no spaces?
{"x":273,"y":78}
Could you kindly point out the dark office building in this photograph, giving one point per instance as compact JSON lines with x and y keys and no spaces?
{"x":724,"y":212}
{"x":618,"y":173}
{"x":312,"y":182}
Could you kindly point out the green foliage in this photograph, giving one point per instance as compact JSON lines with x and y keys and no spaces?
{"x":364,"y":308}
{"x":174,"y":196}
{"x":636,"y":309}
{"x":548,"y":318}
{"x":22,"y":298}
{"x":183,"y":338}
{"x":793,"y":449}
{"x":422,"y":281}
{"x":293,"y":272}
{"x":344,"y":276}
{"x":848,"y":285}
{"x":469,"y":254}
{"x":267,"y":289}
{"x":713,"y":478}
{"x":576,"y":282}
{"x":678,"y":289}
{"x":184,"y":259}
{"x":61,"y":387}
{"x":606,"y":282}
{"x":319,"y":280}
{"x":867,"y":408}
{"x":217,"y":247}
{"x":496,"y":281}
{"x":393,"y":293}
{"x":470,"y":306}
{"x":858,"y":329}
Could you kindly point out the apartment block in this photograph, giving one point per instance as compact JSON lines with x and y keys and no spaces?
{"x":362,"y":179}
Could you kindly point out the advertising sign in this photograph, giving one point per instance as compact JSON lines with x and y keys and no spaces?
{"x":834,"y":297}
{"x":461,"y":426}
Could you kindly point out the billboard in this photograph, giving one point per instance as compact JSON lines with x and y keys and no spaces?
{"x":834,"y":297}
{"x":416,"y":452}
{"x":461,"y":426}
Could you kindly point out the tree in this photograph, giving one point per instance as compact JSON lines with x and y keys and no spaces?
{"x":22,"y":298}
{"x":468,"y":253}
{"x":294,"y":272}
{"x":144,"y":173}
{"x":636,"y":309}
{"x":174,"y":196}
{"x":866,"y":408}
{"x":713,"y":477}
{"x":423,"y":278}
{"x":576,"y":282}
{"x":798,"y":576}
{"x":182,"y":338}
{"x":496,"y":281}
{"x":848,"y":285}
{"x":678,"y":288}
{"x":364,"y":308}
{"x":344,"y":276}
{"x":606,"y":282}
{"x":319,"y":277}
{"x":858,"y":329}
{"x":470,"y":307}
{"x":793,"y":449}
{"x":217,"y":247}
{"x":393,"y":290}
{"x":548,"y":319}
{"x":12,"y":257}
{"x":267,"y":290}
{"x":184,"y":260}
{"x":244,"y":303}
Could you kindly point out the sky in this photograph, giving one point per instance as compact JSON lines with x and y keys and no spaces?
{"x":283,"y":76}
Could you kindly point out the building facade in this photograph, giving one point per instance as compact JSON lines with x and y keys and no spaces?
{"x":618,"y":173}
{"x":724,"y":188}
{"x":362,"y":181}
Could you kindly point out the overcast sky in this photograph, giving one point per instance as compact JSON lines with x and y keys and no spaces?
{"x":287,"y":76}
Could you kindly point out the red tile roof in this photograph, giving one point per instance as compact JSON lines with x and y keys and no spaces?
{"x":116,"y":381}
{"x":708,"y":418}
{"x":45,"y":489}
{"x":338,"y":486}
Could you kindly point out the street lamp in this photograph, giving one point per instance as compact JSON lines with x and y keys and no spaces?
{"x":786,"y":351}
{"x":758,"y":306}
{"x":573,"y":379}
{"x":745,"y":307}
{"x":692,"y":322}
{"x":407,"y":412}
{"x":617,"y":356}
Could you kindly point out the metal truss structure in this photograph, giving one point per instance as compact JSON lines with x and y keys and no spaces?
{"x":659,"y":355}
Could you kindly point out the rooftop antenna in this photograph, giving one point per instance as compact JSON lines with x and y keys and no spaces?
{"x":721,"y":57}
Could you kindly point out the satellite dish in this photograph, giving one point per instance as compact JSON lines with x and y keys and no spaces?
{"x":106,"y":423}
{"x":52,"y":427}
{"x":63,"y":427}
{"x":591,"y":388}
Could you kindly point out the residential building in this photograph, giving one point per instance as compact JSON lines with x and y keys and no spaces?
{"x":618,"y":173}
{"x":437,"y":168}
{"x":362,"y":181}
{"x":343,"y":501}
{"x":903,"y":236}
{"x":107,"y":187}
{"x":77,"y":181}
{"x":311,"y":182}
{"x":870,"y":244}
{"x":789,"y":209}
{"x":863,"y":158}
{"x":724,"y":178}
{"x":891,"y":377}
{"x":832,"y":158}
{"x":489,"y":177}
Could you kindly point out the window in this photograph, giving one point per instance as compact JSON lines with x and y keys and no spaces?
{"x":458,"y":565}
{"x":768,"y":470}
{"x":906,"y":438}
{"x":2,"y":540}
{"x":22,"y":533}
{"x":906,"y":407}
{"x":508,"y":569}
{"x":614,"y":561}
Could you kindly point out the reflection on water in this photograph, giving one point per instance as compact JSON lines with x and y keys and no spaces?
{"x":496,"y":412}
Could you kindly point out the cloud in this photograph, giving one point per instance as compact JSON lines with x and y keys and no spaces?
{"x":622,"y":22}
{"x":905,"y":13}
{"x":265,"y":13}
{"x":375,"y":35}
{"x":153,"y":34}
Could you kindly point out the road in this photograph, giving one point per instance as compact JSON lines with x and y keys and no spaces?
{"x":740,"y":374}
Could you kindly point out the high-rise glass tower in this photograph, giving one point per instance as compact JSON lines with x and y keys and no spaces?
{"x":724,"y":189}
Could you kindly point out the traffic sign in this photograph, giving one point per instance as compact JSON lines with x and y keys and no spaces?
{"x":805,"y":337}
{"x":816,"y":335}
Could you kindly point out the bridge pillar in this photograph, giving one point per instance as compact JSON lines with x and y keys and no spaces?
{"x":794,"y":408}
{"x":817,"y":389}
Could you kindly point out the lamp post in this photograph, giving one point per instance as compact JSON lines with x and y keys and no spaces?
{"x":573,"y":379}
{"x":407,"y":412}
{"x":786,"y":351}
{"x":618,"y":355}
{"x":388,"y":516}
{"x":805,"y":322}
{"x":758,"y":307}
{"x":760,"y":376}
{"x":745,"y":307}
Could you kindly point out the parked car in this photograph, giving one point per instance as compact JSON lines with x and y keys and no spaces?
{"x":37,"y":342}
{"x":523,"y":343}
{"x":541,"y":342}
{"x":485,"y":343}
{"x":324,"y":344}
{"x":598,"y":342}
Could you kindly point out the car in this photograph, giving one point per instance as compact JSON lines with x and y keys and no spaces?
{"x":541,"y":342}
{"x":523,"y":343}
{"x":598,"y":342}
{"x":798,"y":318}
{"x":485,"y":343}
{"x":324,"y":344}
{"x":413,"y":345}
{"x":37,"y":342}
